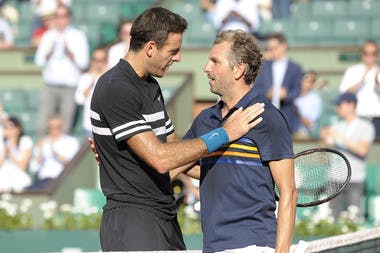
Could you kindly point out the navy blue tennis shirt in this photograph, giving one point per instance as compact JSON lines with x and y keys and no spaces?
{"x":237,"y":188}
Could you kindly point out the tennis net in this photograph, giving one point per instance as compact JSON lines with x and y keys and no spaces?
{"x":363,"y":241}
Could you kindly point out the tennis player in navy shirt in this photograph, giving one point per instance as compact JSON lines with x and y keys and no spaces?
{"x":136,"y":141}
{"x":237,"y":180}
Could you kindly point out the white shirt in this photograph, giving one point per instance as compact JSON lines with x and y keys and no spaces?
{"x":368,"y":98}
{"x":26,"y":143}
{"x":116,"y":52}
{"x":278,"y":71}
{"x":1,"y":140}
{"x":248,"y":9}
{"x":59,"y":69}
{"x":50,"y":167}
{"x":6,"y":33}
{"x":309,"y":106}
{"x":357,"y":130}
{"x":85,"y":81}
{"x":12,"y":177}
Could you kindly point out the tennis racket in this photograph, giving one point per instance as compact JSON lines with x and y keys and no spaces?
{"x":320,"y":175}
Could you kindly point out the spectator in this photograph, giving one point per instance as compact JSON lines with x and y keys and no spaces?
{"x":87,"y":81}
{"x":48,"y":22}
{"x":352,"y":136}
{"x":236,"y":14}
{"x":280,"y":79}
{"x":309,"y":105}
{"x":41,"y":7}
{"x":363,"y":79}
{"x":6,"y":34}
{"x":63,"y":54}
{"x":54,"y":151}
{"x":120,"y":49}
{"x":15,"y":158}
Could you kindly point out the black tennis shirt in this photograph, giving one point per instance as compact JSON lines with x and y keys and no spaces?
{"x":122,"y":106}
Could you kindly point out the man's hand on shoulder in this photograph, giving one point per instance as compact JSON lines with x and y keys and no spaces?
{"x":241,"y":121}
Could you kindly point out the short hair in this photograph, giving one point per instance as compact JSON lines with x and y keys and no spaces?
{"x":155,"y":24}
{"x":311,"y":73}
{"x":367,"y":42}
{"x":280,"y":37}
{"x":244,"y":49}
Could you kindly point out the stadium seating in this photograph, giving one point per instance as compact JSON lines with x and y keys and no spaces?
{"x":300,"y":10}
{"x":330,"y":23}
{"x":352,"y":21}
{"x":334,"y":8}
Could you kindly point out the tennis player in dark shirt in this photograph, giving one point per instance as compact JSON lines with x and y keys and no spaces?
{"x":136,"y":142}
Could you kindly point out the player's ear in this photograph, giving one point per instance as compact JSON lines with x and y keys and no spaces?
{"x":150,"y":48}
{"x":239,"y":70}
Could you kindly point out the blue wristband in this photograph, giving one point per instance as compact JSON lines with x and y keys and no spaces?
{"x":215,"y":139}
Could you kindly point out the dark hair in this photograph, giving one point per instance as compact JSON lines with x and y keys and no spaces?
{"x":311,"y":73}
{"x":244,"y":49}
{"x":17,"y":123}
{"x":280,"y":37}
{"x":155,"y":24}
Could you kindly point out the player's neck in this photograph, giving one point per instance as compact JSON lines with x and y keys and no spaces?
{"x":137,"y":64}
{"x":233,"y":97}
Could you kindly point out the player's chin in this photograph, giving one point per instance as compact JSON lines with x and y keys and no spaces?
{"x":162,"y":72}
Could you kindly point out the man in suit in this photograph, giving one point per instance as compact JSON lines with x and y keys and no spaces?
{"x":280,"y":79}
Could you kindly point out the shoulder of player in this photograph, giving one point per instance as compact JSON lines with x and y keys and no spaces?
{"x":207,"y":112}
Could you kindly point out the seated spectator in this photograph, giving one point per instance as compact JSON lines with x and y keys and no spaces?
{"x":309,"y":105}
{"x":87,"y":81}
{"x":353,"y":136}
{"x":15,"y":158}
{"x":54,"y":151}
{"x":363,"y":79}
{"x":120,"y":49}
{"x":6,"y":35}
{"x":236,"y":14}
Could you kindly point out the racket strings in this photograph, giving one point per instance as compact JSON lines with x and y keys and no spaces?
{"x":319,"y":175}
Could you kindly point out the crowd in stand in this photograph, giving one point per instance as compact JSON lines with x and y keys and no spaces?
{"x":70,"y":72}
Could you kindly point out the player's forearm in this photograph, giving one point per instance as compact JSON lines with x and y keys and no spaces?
{"x":286,"y":220}
{"x":188,"y":169}
{"x":177,"y":154}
